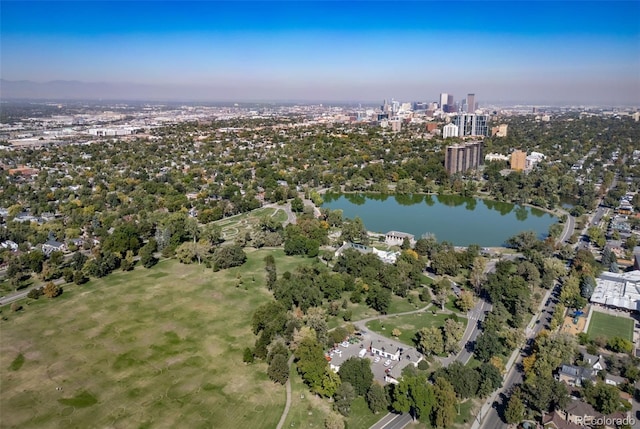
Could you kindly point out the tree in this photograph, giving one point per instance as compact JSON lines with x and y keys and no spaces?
{"x":596,"y":236}
{"x":279,"y":369}
{"x":465,"y":301}
{"x":311,"y":363}
{"x":343,"y":398}
{"x":442,"y":290}
{"x":464,"y":380}
{"x":488,"y":344}
{"x":377,"y":398}
{"x":147,"y":258}
{"x":413,"y":395}
{"x":297,"y":205}
{"x":379,"y":299}
{"x":445,"y":399}
{"x":247,"y":356}
{"x":51,"y":290}
{"x":333,"y":421}
{"x":35,"y":293}
{"x":228,"y":256}
{"x":316,"y":319}
{"x":558,"y":316}
{"x":354,"y":231}
{"x":587,"y":285}
{"x":570,"y":293}
{"x":619,"y":345}
{"x":514,"y":413}
{"x":430,"y":341}
{"x":452,"y":333}
{"x":212,"y":234}
{"x":357,"y":372}
{"x":445,"y":262}
{"x":604,"y":397}
{"x":477,"y":275}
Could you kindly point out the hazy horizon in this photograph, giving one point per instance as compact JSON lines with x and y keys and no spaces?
{"x":529,"y":52}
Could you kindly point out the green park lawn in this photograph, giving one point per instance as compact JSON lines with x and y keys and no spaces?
{"x":609,"y":326}
{"x":409,"y":324}
{"x":148,"y":348}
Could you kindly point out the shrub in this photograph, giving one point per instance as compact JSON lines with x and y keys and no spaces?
{"x":51,"y":290}
{"x":35,"y":293}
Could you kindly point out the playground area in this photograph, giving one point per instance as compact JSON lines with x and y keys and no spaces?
{"x":575,"y":321}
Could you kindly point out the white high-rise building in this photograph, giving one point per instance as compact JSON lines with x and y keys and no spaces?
{"x":449,"y":130}
{"x":443,"y":100}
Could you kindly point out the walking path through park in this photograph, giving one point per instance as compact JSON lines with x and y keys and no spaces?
{"x":283,"y":417}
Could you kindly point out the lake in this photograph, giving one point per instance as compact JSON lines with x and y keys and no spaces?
{"x":458,"y":220}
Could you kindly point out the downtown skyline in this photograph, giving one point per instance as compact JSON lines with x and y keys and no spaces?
{"x":528,"y":52}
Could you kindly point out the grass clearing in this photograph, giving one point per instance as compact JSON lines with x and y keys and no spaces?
{"x":609,"y":326}
{"x":240,"y":224}
{"x":409,"y":324}
{"x":147,"y":348}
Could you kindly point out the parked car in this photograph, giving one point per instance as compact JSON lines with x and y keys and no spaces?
{"x":376,"y":359}
{"x":387,"y":362}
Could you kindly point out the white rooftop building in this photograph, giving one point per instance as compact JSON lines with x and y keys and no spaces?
{"x":619,"y":290}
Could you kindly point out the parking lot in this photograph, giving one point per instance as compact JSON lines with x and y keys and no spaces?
{"x":367,"y":341}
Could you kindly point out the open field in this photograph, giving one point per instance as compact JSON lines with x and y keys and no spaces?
{"x":243,"y":223}
{"x":606,"y":325}
{"x":409,"y":324}
{"x":148,"y":348}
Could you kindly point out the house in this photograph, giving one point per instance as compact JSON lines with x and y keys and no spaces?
{"x":53,"y":246}
{"x":583,"y":414}
{"x":614,"y":380}
{"x":557,"y":421}
{"x":574,"y":375}
{"x":595,"y":362}
{"x":78,"y":242}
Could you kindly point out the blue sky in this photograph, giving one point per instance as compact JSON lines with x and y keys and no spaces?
{"x":554,"y":52}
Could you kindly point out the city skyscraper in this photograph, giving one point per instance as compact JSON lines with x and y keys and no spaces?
{"x":444,"y":97}
{"x":471,"y":103}
{"x":470,"y":124}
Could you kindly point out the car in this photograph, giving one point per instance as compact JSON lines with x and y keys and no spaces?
{"x":376,"y":359}
{"x":338,"y":352}
{"x":387,"y":362}
{"x":344,"y":344}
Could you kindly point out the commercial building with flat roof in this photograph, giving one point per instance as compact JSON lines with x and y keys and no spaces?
{"x":618,"y":290}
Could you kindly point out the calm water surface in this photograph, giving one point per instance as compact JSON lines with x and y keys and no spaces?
{"x":458,"y":220}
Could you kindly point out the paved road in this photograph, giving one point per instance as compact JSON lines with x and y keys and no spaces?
{"x":23,"y":293}
{"x":488,"y":416}
{"x":569,"y":226}
{"x":393,"y":421}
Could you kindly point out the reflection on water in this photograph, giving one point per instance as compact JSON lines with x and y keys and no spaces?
{"x":459,"y":220}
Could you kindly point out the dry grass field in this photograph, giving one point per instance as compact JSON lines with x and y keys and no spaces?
{"x":155,"y":348}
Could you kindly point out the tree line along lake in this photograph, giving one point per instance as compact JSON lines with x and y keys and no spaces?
{"x":459,"y":220}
